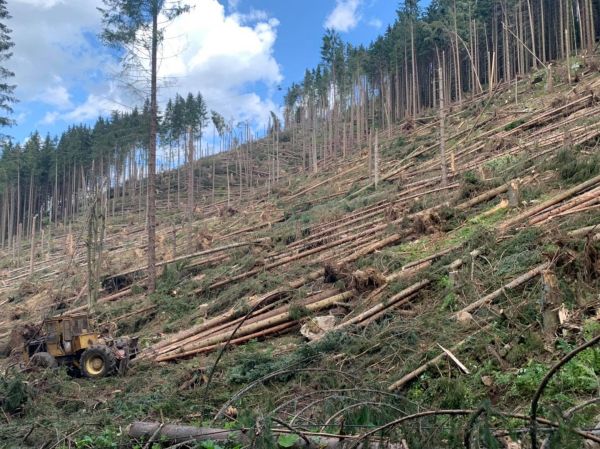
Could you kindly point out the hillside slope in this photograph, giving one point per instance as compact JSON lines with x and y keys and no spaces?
{"x":442,"y":296}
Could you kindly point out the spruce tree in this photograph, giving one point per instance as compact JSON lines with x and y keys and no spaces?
{"x":133,"y":26}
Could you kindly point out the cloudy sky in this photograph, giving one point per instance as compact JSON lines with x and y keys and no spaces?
{"x":241,"y":54}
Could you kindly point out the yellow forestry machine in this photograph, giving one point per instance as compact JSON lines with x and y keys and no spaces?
{"x":68,"y":341}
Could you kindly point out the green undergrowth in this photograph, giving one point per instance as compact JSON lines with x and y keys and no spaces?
{"x":575,"y":165}
{"x":339,"y":383}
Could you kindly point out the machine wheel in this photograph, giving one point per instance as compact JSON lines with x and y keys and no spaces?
{"x":98,"y":361}
{"x":43,"y":360}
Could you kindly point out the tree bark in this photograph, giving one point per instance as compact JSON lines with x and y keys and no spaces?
{"x":444,"y":167}
{"x":152,"y":155}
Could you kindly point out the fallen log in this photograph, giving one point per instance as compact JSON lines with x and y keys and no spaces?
{"x":319,"y":184}
{"x":260,"y":314}
{"x":378,"y":315}
{"x":581,"y":209}
{"x":421,"y":369}
{"x":374,"y":247}
{"x":227,"y":316}
{"x":248,"y":329}
{"x":250,"y":229}
{"x":103,"y":300}
{"x":483,"y":197}
{"x":579,"y":200}
{"x":395,"y":300}
{"x":135,"y":312}
{"x":186,"y":257}
{"x":497,"y":293}
{"x":298,"y":256}
{"x":430,"y":258}
{"x":551,"y":202}
{"x":584,"y":231}
{"x":178,"y":434}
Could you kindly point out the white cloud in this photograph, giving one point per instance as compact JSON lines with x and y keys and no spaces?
{"x":54,"y":49}
{"x":56,"y":95}
{"x":221,"y":55}
{"x":58,"y":60}
{"x":93,"y":106}
{"x":40,"y":3}
{"x":50,"y":118}
{"x":21,"y":117}
{"x":345,"y":16}
{"x":254,"y":15}
{"x":375,"y":23}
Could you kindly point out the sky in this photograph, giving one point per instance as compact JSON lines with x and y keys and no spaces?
{"x":240,"y":54}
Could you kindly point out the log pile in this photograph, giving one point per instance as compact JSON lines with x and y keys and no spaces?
{"x":263,"y":321}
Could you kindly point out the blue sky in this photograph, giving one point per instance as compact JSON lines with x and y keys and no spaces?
{"x":238,"y":53}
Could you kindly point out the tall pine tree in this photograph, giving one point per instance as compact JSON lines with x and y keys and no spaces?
{"x":132,"y":26}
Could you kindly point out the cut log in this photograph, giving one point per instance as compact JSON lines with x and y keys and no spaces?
{"x":483,"y":197}
{"x":497,"y":293}
{"x":546,"y":204}
{"x":395,"y":300}
{"x":196,"y":347}
{"x":225,"y":317}
{"x":260,"y":314}
{"x":420,"y":370}
{"x":178,"y":433}
{"x":188,"y":256}
{"x":236,"y":341}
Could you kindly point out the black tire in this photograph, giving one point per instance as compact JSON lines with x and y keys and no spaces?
{"x":97,"y":362}
{"x":43,"y":360}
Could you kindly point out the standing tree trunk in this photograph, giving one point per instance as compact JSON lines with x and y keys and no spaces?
{"x":190,"y":175}
{"x":32,"y":251}
{"x":376,"y":160}
{"x":442,"y":128}
{"x":152,"y":156}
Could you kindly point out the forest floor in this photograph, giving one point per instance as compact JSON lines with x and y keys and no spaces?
{"x":422,"y":296}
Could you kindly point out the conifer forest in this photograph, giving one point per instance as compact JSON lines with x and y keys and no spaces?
{"x":396,"y":247}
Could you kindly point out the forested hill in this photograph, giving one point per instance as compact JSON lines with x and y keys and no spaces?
{"x":409,"y":259}
{"x":476,"y":44}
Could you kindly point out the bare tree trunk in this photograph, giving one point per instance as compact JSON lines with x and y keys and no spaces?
{"x":315,"y":164}
{"x":532,"y":30}
{"x":457,"y":60}
{"x":32,"y":249}
{"x":376,"y":161}
{"x":152,"y":158}
{"x":228,"y":187}
{"x":190,"y":175}
{"x":442,"y":128}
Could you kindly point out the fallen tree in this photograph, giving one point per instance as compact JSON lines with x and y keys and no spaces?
{"x":499,"y":292}
{"x":179,"y":434}
{"x":266,"y":325}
